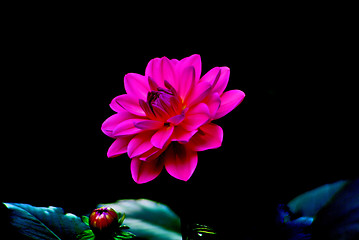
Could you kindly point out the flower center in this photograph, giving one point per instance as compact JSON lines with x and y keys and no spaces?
{"x":164,"y":103}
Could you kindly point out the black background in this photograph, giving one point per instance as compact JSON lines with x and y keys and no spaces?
{"x":294,"y":130}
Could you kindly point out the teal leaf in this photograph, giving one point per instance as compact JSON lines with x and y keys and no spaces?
{"x":328,"y":212}
{"x":309,"y":203}
{"x":148,"y":219}
{"x":44,"y":222}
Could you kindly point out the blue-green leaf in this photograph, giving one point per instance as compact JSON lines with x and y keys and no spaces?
{"x":148,"y":219}
{"x":333,"y":211}
{"x":44,"y":222}
{"x":309,"y":203}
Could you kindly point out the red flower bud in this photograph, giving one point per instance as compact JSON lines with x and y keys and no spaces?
{"x":103,"y":220}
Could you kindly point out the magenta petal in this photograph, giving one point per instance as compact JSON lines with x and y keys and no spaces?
{"x":149,"y":124}
{"x":222,"y":81}
{"x":150,"y":154}
{"x":146,"y":108}
{"x":229,"y":100}
{"x":127,"y":127}
{"x":111,"y":123}
{"x":200,"y":91}
{"x":145,"y":171}
{"x":187,"y":82}
{"x":118,"y":147}
{"x":115,"y":106}
{"x":196,"y":117}
{"x":136,"y":85}
{"x":182,"y":135}
{"x":152,"y":84}
{"x":129,"y":103}
{"x":210,"y":76}
{"x":213,"y":103}
{"x":175,"y":120}
{"x":153,"y":71}
{"x":160,"y":138}
{"x":180,"y":161}
{"x":168,"y":71}
{"x":140,"y":144}
{"x":218,"y":77}
{"x":159,"y":70}
{"x":209,"y":136}
{"x":195,"y":61}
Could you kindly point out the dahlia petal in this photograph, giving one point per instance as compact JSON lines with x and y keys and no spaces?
{"x":221,"y":83}
{"x":111,"y":123}
{"x":153,"y":153}
{"x":153,"y":71}
{"x":168,"y":71}
{"x":195,"y":61}
{"x":146,"y":108}
{"x":166,"y":104}
{"x":149,"y":124}
{"x":175,"y":120}
{"x":218,"y":77}
{"x":145,"y":171}
{"x":210,"y":76}
{"x":170,"y":87}
{"x":136,"y":85}
{"x":152,"y":84}
{"x":140,"y":144}
{"x":209,"y":136}
{"x":115,"y":106}
{"x":127,"y":127}
{"x":128,"y":103}
{"x":200,"y":91}
{"x":182,"y":135}
{"x":150,"y":154}
{"x":160,"y":138}
{"x":160,"y":113}
{"x":161,"y":69}
{"x":213,"y":103}
{"x":180,"y":161}
{"x":174,"y":61}
{"x":118,"y":147}
{"x":229,"y":100}
{"x":187,"y":82}
{"x":196,"y":117}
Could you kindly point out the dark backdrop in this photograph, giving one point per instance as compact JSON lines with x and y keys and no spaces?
{"x":293,"y":131}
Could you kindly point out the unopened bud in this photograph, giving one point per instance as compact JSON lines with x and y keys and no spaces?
{"x":103,"y":221}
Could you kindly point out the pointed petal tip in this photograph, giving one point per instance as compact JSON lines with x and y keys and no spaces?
{"x":180,"y":162}
{"x":229,"y":101}
{"x":195,"y":55}
{"x":160,"y":138}
{"x":145,"y":171}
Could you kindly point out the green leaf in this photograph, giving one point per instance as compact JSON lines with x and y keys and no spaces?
{"x":86,"y":220}
{"x":199,"y":232}
{"x":44,"y":222}
{"x":148,"y":219}
{"x":86,"y":235}
{"x":120,"y":221}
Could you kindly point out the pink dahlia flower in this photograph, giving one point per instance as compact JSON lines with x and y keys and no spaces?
{"x":165,"y":117}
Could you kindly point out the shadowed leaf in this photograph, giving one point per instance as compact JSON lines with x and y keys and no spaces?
{"x":148,"y":219}
{"x":44,"y":222}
